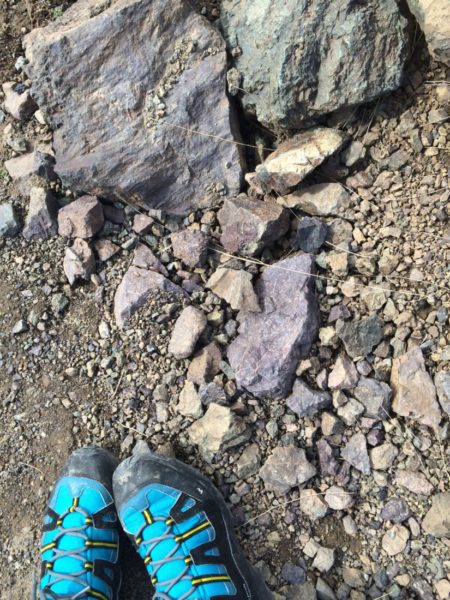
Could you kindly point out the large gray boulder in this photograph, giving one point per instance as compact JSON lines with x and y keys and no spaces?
{"x":120,"y":84}
{"x":302,"y":58}
{"x":270,"y":343}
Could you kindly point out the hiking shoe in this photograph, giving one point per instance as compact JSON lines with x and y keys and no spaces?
{"x":80,"y":541}
{"x":181,"y":527}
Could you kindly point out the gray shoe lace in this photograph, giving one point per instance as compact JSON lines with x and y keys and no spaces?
{"x":172,"y":556}
{"x":76,"y":577}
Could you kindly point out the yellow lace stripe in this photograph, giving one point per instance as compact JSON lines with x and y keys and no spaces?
{"x":210,"y":579}
{"x":191,"y":532}
{"x":75,"y":504}
{"x":148,"y":517}
{"x":101,"y":544}
{"x":97,"y":595}
{"x":48,"y":547}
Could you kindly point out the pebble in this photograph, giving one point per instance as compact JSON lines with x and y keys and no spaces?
{"x":355,"y":453}
{"x":337,"y":498}
{"x":395,"y":510}
{"x":187,"y":330}
{"x":344,"y":375}
{"x":286,"y":468}
{"x":395,"y":539}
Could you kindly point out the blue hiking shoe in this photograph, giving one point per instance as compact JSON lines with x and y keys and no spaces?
{"x":181,"y":527}
{"x":80,"y":541}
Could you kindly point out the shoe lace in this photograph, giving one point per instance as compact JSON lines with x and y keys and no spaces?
{"x":78,"y":576}
{"x":172,"y":556}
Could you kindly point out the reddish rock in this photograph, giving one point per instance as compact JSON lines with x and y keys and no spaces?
{"x":191,"y":246}
{"x":82,"y":218}
{"x":142,"y":224}
{"x":79,"y":261}
{"x":18,"y":101}
{"x":250,"y":225}
{"x":105,"y":249}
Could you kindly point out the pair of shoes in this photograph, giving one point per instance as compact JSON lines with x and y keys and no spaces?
{"x":176,"y":519}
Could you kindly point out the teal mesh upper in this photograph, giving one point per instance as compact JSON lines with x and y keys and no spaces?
{"x":165,"y":546}
{"x":73,"y":543}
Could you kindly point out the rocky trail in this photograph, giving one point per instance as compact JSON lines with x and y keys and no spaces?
{"x":224,"y":230}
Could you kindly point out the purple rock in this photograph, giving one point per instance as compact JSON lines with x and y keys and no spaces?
{"x":266,"y":352}
{"x":135,"y":288}
{"x":293,"y":573}
{"x":123,"y":104}
{"x":395,"y":510}
{"x":328,"y":463}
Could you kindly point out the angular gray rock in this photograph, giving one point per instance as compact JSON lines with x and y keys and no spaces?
{"x":188,"y":328}
{"x":294,"y":159}
{"x":79,"y":261}
{"x":442,"y":383}
{"x":355,"y":453}
{"x":145,"y":259}
{"x":286,"y":468}
{"x":360,"y":337}
{"x":121,"y":105}
{"x":250,"y":225}
{"x":375,"y":396}
{"x":269,"y":345}
{"x":24,"y":169}
{"x":311,"y":234}
{"x":321,"y":199}
{"x":300,"y":59}
{"x":306,"y":402}
{"x":235,"y":287}
{"x":135,"y":289}
{"x":191,"y":246}
{"x":344,"y":375}
{"x":40,"y":222}
{"x":218,"y":430}
{"x":9,"y":223}
{"x":414,"y":392}
{"x":433,"y":17}
{"x":18,"y":101}
{"x":82,"y":218}
{"x":249,"y":461}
